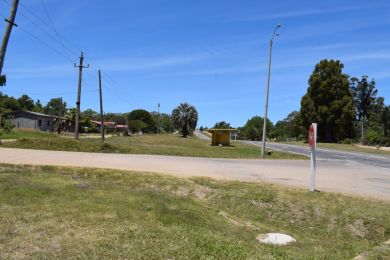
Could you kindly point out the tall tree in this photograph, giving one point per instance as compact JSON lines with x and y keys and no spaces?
{"x":253,"y":129}
{"x":89,"y":114}
{"x":222,"y":125}
{"x":3,"y":80}
{"x":143,"y":116}
{"x":162,"y":121}
{"x":364,"y":95}
{"x":38,"y":107}
{"x":329,"y":102}
{"x":118,"y":118}
{"x":185,"y":118}
{"x":290,"y":127}
{"x":26,"y":103}
{"x":56,"y":106}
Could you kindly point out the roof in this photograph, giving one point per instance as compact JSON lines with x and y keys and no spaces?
{"x":38,"y":114}
{"x":104,"y":123}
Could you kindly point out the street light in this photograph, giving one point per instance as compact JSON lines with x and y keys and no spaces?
{"x":267,"y":92}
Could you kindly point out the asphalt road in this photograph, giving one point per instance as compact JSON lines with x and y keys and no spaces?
{"x":331,"y":156}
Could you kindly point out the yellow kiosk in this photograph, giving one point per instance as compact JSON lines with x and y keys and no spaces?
{"x":220,"y":136}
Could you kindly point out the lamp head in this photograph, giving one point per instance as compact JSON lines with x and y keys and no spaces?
{"x":279,"y":25}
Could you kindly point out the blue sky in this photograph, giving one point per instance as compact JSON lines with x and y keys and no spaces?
{"x":212,"y":54}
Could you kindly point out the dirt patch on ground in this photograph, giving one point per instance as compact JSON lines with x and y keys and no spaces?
{"x":244,"y":224}
{"x":358,"y":229}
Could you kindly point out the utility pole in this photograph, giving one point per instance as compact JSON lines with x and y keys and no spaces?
{"x":267,"y":90}
{"x":101,"y":107}
{"x":7,"y":33}
{"x":81,"y":67}
{"x":158,"y":118}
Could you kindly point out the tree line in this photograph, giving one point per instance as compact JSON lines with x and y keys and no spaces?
{"x":347,"y":109}
{"x":183,"y":118}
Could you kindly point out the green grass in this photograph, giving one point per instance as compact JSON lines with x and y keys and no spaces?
{"x":343,"y":147}
{"x":67,"y":213}
{"x":162,"y":144}
{"x":25,"y":133}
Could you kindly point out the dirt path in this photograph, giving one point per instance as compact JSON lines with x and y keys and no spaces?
{"x":350,"y":179}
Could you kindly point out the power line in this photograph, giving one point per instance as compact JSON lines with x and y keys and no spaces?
{"x":111,"y":85}
{"x":48,"y":94}
{"x":54,"y":28}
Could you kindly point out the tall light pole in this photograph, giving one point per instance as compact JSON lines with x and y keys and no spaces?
{"x":267,"y":90}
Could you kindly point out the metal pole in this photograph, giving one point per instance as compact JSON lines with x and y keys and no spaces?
{"x":7,"y":33}
{"x":101,"y":107}
{"x":267,"y":92}
{"x":266,"y":101}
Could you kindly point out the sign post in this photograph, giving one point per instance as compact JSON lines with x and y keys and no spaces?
{"x":313,"y":163}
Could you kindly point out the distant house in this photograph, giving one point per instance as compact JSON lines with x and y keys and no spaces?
{"x":110,"y":125}
{"x":33,"y":120}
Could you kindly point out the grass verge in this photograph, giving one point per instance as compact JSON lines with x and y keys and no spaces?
{"x":49,"y":212}
{"x":343,"y":147}
{"x":25,"y":133}
{"x":162,"y":144}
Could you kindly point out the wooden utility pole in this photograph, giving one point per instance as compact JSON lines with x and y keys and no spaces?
{"x":101,"y":107}
{"x":81,"y":67}
{"x":7,"y":32}
{"x":158,"y":118}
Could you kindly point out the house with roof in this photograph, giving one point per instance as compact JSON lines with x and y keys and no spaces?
{"x":33,"y":120}
{"x":111,"y":126}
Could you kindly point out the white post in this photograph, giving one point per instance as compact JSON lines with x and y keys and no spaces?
{"x":313,"y":163}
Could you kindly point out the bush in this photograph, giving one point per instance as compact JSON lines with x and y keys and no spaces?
{"x":8,"y":126}
{"x":347,"y":141}
{"x":372,"y":137}
{"x":105,"y":147}
{"x":384,"y":141}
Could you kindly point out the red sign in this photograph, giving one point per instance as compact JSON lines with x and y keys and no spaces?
{"x":311,"y":136}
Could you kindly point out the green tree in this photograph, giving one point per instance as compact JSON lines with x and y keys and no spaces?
{"x":253,"y":129}
{"x":329,"y":102}
{"x":145,"y":117}
{"x":118,"y":118}
{"x":26,"y":103}
{"x":136,"y":125}
{"x":70,"y":116}
{"x":378,"y":122}
{"x":3,"y":80}
{"x":185,"y":118}
{"x":364,"y":95}
{"x":56,"y":106}
{"x":38,"y":107}
{"x":162,"y":121}
{"x":289,"y":127}
{"x":89,"y":114}
{"x":386,"y":121}
{"x":222,"y":125}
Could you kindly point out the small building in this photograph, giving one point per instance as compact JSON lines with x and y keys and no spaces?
{"x":33,"y":120}
{"x":112,"y":126}
{"x":221,"y":136}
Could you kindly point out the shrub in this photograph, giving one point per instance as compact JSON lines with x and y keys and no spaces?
{"x":372,"y":137}
{"x":347,"y":141}
{"x":8,"y":126}
{"x":105,"y":147}
{"x":385,"y":141}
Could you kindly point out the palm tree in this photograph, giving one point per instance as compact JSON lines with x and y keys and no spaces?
{"x":185,"y":118}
